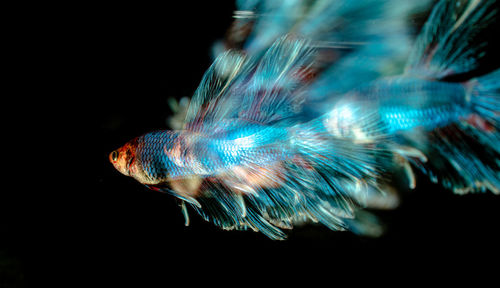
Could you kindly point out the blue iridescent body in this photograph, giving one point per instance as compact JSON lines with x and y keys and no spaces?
{"x":406,"y":103}
{"x":185,"y":153}
{"x":319,"y":105}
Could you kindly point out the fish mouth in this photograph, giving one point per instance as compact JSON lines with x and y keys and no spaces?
{"x":118,"y":163}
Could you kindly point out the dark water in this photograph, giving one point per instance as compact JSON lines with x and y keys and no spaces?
{"x":107,"y":230}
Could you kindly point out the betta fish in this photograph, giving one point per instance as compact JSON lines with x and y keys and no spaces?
{"x":291,"y":128}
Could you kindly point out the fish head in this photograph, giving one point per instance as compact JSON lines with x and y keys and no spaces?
{"x":124,"y":159}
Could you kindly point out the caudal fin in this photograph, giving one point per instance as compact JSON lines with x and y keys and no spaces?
{"x":485,"y":98}
{"x":465,"y":156}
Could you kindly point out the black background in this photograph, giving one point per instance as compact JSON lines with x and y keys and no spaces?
{"x":120,"y":63}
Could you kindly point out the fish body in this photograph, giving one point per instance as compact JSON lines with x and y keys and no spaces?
{"x":300,"y":131}
{"x":405,"y":103}
{"x":162,"y":156}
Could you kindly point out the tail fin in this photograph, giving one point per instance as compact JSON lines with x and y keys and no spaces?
{"x":465,"y":156}
{"x":485,"y":97}
{"x":449,"y":42}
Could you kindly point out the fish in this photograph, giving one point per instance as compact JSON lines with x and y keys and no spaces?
{"x":279,"y":134}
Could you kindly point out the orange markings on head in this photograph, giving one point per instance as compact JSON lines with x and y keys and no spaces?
{"x":123,"y":158}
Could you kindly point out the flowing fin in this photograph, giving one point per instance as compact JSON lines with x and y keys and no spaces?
{"x":270,"y":95}
{"x":458,"y":159}
{"x":260,"y":90}
{"x":164,"y":188}
{"x":210,"y":101}
{"x":303,"y":194}
{"x":355,"y":41}
{"x":366,"y":224}
{"x":185,"y":213}
{"x":343,"y":24}
{"x":448,"y":43}
{"x":335,"y":161}
{"x":344,"y":142}
{"x":382,"y":48}
{"x":484,"y":97}
{"x":230,"y":210}
{"x":329,"y":174}
{"x":464,"y":156}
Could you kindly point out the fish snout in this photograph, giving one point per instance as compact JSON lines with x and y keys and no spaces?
{"x":117,"y":158}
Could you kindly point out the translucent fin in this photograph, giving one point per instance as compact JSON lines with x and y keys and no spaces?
{"x":210,"y":102}
{"x":380,"y":197}
{"x":328,"y":175}
{"x":185,"y":213}
{"x":484,"y":96}
{"x":464,"y":156}
{"x":458,"y":159}
{"x":229,"y":210}
{"x":383,"y":43}
{"x":268,"y":210}
{"x":366,"y":224}
{"x":344,"y":143}
{"x":356,"y":41}
{"x":164,"y":188}
{"x":448,"y":44}
{"x":270,"y":95}
{"x":260,"y":90}
{"x":341,"y":24}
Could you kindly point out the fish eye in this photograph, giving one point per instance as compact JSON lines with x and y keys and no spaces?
{"x":114,"y":155}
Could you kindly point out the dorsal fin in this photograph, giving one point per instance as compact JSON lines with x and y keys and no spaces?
{"x":260,"y":90}
{"x":207,"y":104}
{"x":271,"y":93}
{"x":447,"y":44}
